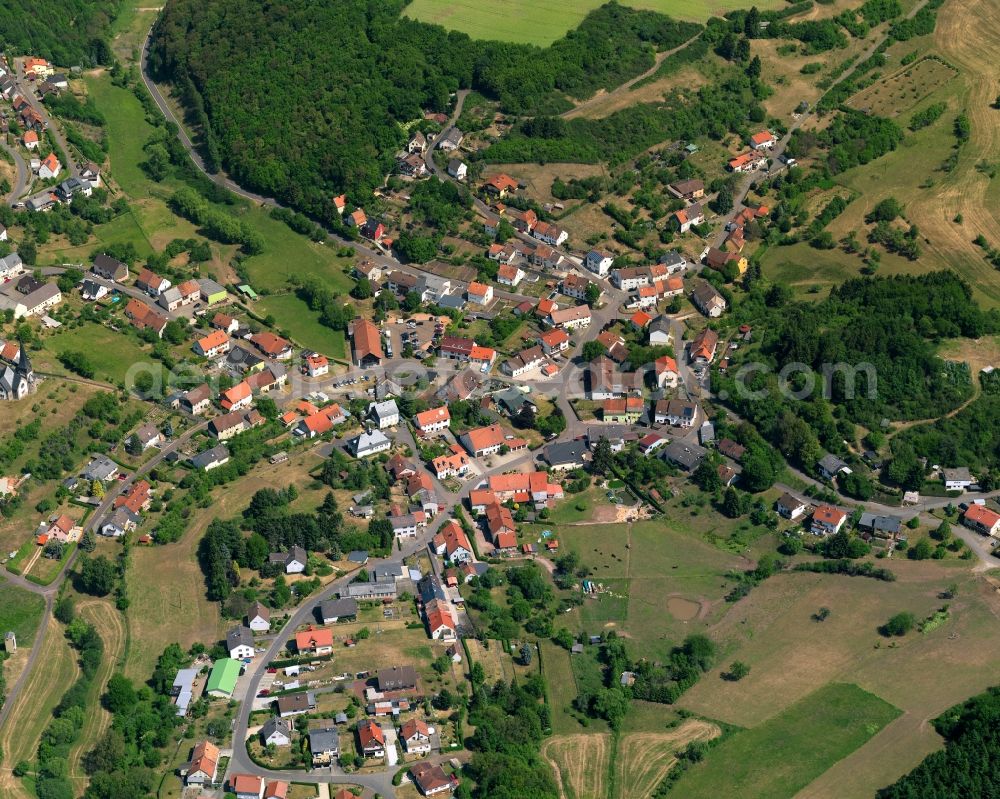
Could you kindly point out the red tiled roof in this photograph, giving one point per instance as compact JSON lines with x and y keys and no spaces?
{"x":982,"y":515}
{"x":370,"y":733}
{"x":827,"y":514}
{"x":269,"y":344}
{"x":312,"y":639}
{"x":433,"y":416}
{"x":367,"y":340}
{"x":214,"y":339}
{"x":237,"y":393}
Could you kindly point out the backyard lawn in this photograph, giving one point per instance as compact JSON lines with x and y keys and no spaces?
{"x":20,"y":612}
{"x":113,"y":354}
{"x":293,"y":316}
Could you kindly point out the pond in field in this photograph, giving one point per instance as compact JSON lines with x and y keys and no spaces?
{"x":683,"y":609}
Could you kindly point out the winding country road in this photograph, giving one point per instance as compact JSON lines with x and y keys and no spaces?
{"x":23,"y":173}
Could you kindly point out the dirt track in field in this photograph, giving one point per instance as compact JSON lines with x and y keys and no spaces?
{"x":580,"y":763}
{"x":110,"y":625}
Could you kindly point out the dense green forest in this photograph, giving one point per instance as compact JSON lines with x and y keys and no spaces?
{"x":886,"y":327}
{"x":969,"y":765}
{"x":318,"y":107}
{"x":66,"y":32}
{"x":969,"y":438}
{"x":732,"y":105}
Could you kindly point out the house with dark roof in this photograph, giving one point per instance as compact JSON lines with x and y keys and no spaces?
{"x":565,"y":455}
{"x":683,"y":455}
{"x":324,"y":745}
{"x":109,"y":268}
{"x":331,"y":611}
{"x":397,"y":678}
{"x":239,"y":642}
{"x":276,"y":732}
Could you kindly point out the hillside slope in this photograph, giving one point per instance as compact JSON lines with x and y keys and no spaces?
{"x":66,"y":32}
{"x":317,"y":106}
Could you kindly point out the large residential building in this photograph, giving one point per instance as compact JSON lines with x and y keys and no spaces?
{"x":483,"y":441}
{"x":570,"y":318}
{"x":982,"y":520}
{"x":433,"y":421}
{"x":367,"y":342}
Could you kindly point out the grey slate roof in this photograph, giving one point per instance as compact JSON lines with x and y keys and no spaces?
{"x":239,"y":636}
{"x":338,"y":608}
{"x":324,"y":740}
{"x":563,"y":452}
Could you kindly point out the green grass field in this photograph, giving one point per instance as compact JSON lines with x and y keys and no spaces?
{"x":289,"y":253}
{"x":543,"y":21}
{"x":561,"y":682}
{"x":293,"y":316}
{"x":663,"y":581}
{"x":128,"y":132}
{"x":20,"y":611}
{"x":114,"y":353}
{"x":785,"y":753}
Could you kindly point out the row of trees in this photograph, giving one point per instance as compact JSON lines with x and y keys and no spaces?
{"x":69,"y":716}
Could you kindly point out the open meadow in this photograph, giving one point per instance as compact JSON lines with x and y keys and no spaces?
{"x":791,"y":655}
{"x":647,"y":568}
{"x":113,"y":353}
{"x":20,"y":612}
{"x":543,"y":21}
{"x":781,"y":756}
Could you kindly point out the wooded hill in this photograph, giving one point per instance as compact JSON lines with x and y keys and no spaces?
{"x":66,"y":32}
{"x":969,"y":765}
{"x":316,"y":106}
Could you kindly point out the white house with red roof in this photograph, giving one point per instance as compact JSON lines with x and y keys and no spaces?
{"x":764,"y":140}
{"x":553,"y":341}
{"x":982,"y":520}
{"x":827,"y":520}
{"x":479,"y":293}
{"x":667,"y":375}
{"x":317,"y":365}
{"x":452,"y":543}
{"x":433,"y":421}
{"x":50,"y":167}
{"x":509,"y":275}
{"x":688,"y":217}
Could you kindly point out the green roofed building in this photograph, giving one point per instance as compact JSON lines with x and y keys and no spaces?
{"x":222,"y":680}
{"x":247,"y":291}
